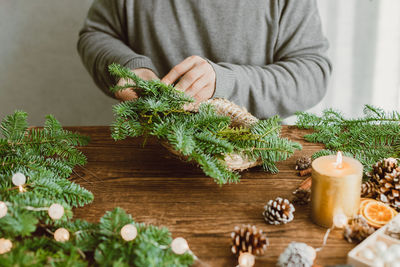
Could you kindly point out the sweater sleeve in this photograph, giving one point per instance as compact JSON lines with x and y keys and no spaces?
{"x":298,"y":77}
{"x":103,"y":41}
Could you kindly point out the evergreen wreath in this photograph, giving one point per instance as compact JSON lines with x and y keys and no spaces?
{"x":369,"y":139}
{"x":47,"y":157}
{"x":204,"y":136}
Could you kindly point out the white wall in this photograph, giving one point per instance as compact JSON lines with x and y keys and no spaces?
{"x":41,"y":72}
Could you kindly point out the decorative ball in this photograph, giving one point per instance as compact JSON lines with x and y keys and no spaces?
{"x":179,"y":245}
{"x":5,"y":245}
{"x":246,"y":260}
{"x":18,"y":179}
{"x":378,"y":262}
{"x":61,"y":235}
{"x":380,"y":247}
{"x":3,"y":209}
{"x":129,"y":232}
{"x":297,"y":254}
{"x":56,"y":211}
{"x":395,"y":249}
{"x":340,"y":220}
{"x":368,"y":254}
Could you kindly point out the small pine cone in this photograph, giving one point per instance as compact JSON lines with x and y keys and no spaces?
{"x":369,"y":189}
{"x":381,"y":168}
{"x":303,"y":163}
{"x":357,"y":230}
{"x":248,"y":239}
{"x":278,"y":211}
{"x":302,"y":196}
{"x":389,"y":189}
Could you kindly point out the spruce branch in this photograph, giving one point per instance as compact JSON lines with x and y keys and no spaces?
{"x":47,"y":156}
{"x":203,"y":136}
{"x":370,"y":138}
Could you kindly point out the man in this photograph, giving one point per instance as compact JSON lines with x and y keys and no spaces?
{"x":265,"y":55}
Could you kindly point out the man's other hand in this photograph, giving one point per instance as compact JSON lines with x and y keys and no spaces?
{"x":129,"y":93}
{"x":196,"y":78}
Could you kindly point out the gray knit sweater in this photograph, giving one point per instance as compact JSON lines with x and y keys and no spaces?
{"x":268,"y":55}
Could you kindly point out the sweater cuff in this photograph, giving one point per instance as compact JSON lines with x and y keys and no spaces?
{"x":224,"y":81}
{"x":141,"y":62}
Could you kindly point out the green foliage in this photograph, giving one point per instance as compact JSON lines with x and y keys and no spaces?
{"x":370,"y":138}
{"x":204,"y":137}
{"x":47,"y":156}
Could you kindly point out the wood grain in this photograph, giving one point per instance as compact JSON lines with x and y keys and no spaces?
{"x":155,"y":187}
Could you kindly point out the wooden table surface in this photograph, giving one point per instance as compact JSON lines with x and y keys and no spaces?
{"x":153,"y":186}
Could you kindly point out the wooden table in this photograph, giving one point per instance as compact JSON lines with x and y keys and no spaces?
{"x":153,"y":186}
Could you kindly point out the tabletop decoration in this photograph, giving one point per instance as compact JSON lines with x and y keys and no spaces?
{"x":376,"y":213}
{"x":303,"y":163}
{"x":336,"y":185}
{"x":36,"y":201}
{"x":249,"y":239}
{"x":385,"y":175}
{"x":278,"y":211}
{"x":297,"y":254}
{"x":357,"y":230}
{"x":302,"y":194}
{"x":370,"y":138}
{"x":212,"y":135}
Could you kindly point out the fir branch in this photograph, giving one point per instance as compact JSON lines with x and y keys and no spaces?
{"x":204,"y":137}
{"x":370,"y":138}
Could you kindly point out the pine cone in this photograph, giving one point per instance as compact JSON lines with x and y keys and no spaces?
{"x":381,"y":168}
{"x":278,"y":211}
{"x":302,"y":196}
{"x":297,"y":255}
{"x":248,"y":239}
{"x":386,"y":174}
{"x":357,"y":230}
{"x":303,"y":163}
{"x":369,"y":189}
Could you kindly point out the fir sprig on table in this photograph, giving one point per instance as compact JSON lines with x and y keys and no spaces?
{"x":370,"y":138}
{"x":47,"y":156}
{"x":204,"y":136}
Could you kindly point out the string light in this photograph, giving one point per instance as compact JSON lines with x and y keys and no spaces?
{"x":19,"y":179}
{"x":179,"y":246}
{"x":246,"y":260}
{"x":5,"y":245}
{"x":3,"y":209}
{"x":340,"y":220}
{"x":56,"y":211}
{"x":61,"y":235}
{"x":128,"y":232}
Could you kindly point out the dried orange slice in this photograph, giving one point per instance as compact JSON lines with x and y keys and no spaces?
{"x":376,"y":213}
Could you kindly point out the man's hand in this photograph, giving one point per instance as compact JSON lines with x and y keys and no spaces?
{"x":129,"y":93}
{"x":197,"y":78}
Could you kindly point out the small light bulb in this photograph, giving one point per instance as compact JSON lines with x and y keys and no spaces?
{"x":5,"y":245}
{"x":179,"y":245}
{"x":61,"y":235}
{"x":340,"y":220}
{"x":18,"y":179}
{"x":129,"y":232}
{"x":56,"y":211}
{"x":3,"y":209}
{"x":246,"y":260}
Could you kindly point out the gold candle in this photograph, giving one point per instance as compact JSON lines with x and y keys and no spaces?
{"x":336,"y":187}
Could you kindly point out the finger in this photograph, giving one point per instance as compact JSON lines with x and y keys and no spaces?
{"x":197,"y":86}
{"x":202,"y":95}
{"x":189,"y":78}
{"x":126,"y":95}
{"x":176,"y":72}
